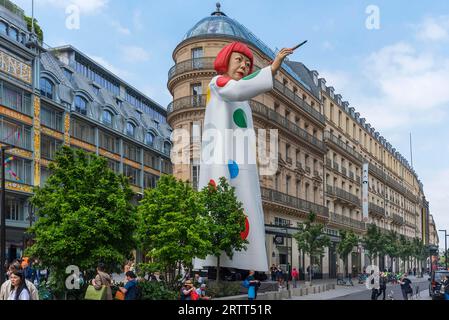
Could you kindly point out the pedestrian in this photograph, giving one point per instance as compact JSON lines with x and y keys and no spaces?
{"x":382,"y":285}
{"x":201,"y":291}
{"x":186,"y":290}
{"x":414,"y":271}
{"x":295,"y":277}
{"x":280,"y":276}
{"x":374,"y":290}
{"x":445,"y":287}
{"x":19,"y":289}
{"x":130,"y":289}
{"x":406,"y":287}
{"x":7,"y":287}
{"x":253,"y":285}
{"x":103,"y":279}
{"x":198,"y":280}
{"x":273,"y":270}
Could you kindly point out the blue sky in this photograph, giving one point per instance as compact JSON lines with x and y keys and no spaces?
{"x":396,"y":76}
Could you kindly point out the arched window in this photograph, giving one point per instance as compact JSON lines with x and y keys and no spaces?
{"x":81,"y":105}
{"x":46,"y":88}
{"x":107,"y":118}
{"x":130,"y":128}
{"x":167,"y":147}
{"x":149,"y":139}
{"x":3,"y":27}
{"x":13,"y":34}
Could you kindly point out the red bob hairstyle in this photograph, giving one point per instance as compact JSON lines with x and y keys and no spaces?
{"x":222,"y":61}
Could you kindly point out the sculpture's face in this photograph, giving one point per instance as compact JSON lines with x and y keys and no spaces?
{"x":238,"y":66}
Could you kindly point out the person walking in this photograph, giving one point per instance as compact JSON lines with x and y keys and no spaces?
{"x":273,"y":270}
{"x":374,"y":290}
{"x":103,"y":279}
{"x":406,"y":287}
{"x":295,"y":277}
{"x":382,"y":285}
{"x":253,"y":285}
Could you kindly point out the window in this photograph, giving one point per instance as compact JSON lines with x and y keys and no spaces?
{"x":287,"y":184}
{"x":298,"y":188}
{"x":51,"y":118}
{"x":49,"y":146}
{"x":150,"y":180}
{"x":151,"y":160}
{"x":15,"y":134}
{"x":149,"y":138}
{"x":119,"y":103}
{"x":13,"y":34}
{"x":82,"y":131}
{"x":96,"y":90}
{"x":197,"y":89}
{"x":3,"y":27}
{"x":81,"y":105}
{"x":108,"y":142}
{"x":131,"y":152}
{"x":167,"y":147}
{"x":281,"y":222}
{"x":130,"y":129}
{"x":14,"y":209}
{"x":68,"y":74}
{"x":45,"y":174}
{"x":195,"y":176}
{"x":114,"y":165}
{"x":18,"y":170}
{"x":133,"y":174}
{"x":46,"y":88}
{"x":107,"y":118}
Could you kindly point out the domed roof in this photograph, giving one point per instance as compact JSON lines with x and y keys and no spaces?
{"x":218,"y":23}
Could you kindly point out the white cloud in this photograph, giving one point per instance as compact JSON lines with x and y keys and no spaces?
{"x":120,"y":29}
{"x":117,"y":71}
{"x":433,"y":29}
{"x":135,"y":54}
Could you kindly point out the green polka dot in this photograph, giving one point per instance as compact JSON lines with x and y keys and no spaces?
{"x":252,"y":75}
{"x":240,"y":118}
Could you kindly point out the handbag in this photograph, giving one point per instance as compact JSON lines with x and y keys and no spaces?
{"x":94,"y":294}
{"x":119,"y":295}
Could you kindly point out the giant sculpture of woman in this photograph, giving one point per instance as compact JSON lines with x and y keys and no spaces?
{"x":228,"y":114}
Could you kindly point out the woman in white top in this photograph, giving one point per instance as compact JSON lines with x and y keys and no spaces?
{"x":19,"y":290}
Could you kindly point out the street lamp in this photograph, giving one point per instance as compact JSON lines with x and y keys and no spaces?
{"x":445,"y":246}
{"x":3,"y":219}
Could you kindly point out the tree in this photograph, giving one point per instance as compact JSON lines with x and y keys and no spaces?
{"x":227,"y":220}
{"x":37,"y":28}
{"x":348,"y":240}
{"x":311,"y":239}
{"x":85,"y":216}
{"x":419,"y":251}
{"x":391,"y":247}
{"x":172,"y":228}
{"x":372,"y":242}
{"x":405,"y":251}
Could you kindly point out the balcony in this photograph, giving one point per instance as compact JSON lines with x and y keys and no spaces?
{"x":316,"y":173}
{"x":376,"y":210}
{"x":293,"y":202}
{"x":17,"y":223}
{"x":397,"y":219}
{"x":343,"y":195}
{"x":351,"y":175}
{"x":339,"y":143}
{"x":198,"y":101}
{"x":394,"y":184}
{"x":376,"y":171}
{"x":279,"y":87}
{"x":299,"y":165}
{"x":191,"y":65}
{"x":269,"y":114}
{"x":344,"y":171}
{"x":289,"y":160}
{"x":346,"y":221}
{"x":308,"y":170}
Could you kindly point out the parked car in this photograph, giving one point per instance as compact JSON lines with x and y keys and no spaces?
{"x":435,"y":284}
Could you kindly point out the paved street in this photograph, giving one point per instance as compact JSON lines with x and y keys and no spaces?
{"x":359,"y":292}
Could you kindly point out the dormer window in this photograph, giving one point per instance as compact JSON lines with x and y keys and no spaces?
{"x":13,"y":34}
{"x":81,"y":105}
{"x":107,"y":118}
{"x":130,"y":129}
{"x":46,"y":88}
{"x":149,"y":138}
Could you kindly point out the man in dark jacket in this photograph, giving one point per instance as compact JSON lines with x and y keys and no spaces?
{"x":382,"y":285}
{"x":406,"y":286}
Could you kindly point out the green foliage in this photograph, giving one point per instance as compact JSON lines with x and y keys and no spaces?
{"x":391,"y":245}
{"x":173,"y":228}
{"x":372,"y":241}
{"x":85,"y":216}
{"x":348,"y":240}
{"x":311,"y":238}
{"x":155,"y":290}
{"x":37,"y":28}
{"x":218,"y":289}
{"x":227,"y":219}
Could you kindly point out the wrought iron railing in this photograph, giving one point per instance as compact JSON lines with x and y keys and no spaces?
{"x":191,"y":65}
{"x":340,"y":219}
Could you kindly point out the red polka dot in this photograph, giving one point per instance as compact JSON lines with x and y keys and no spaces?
{"x":245,"y":233}
{"x":222,"y":81}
